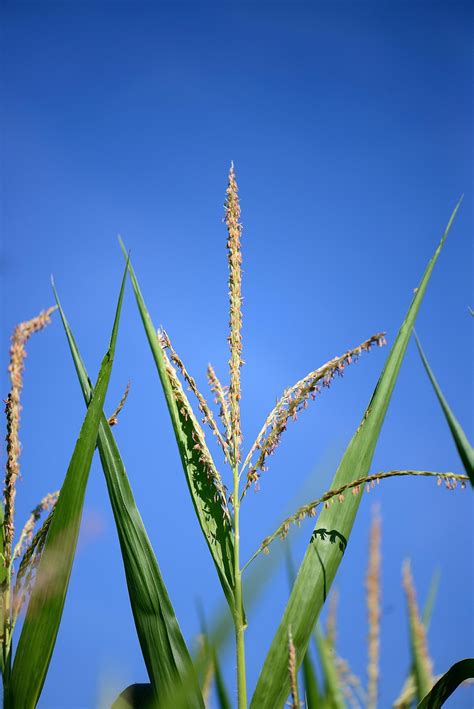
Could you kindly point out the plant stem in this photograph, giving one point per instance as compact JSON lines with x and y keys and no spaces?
{"x":7,"y":635}
{"x":238,"y":611}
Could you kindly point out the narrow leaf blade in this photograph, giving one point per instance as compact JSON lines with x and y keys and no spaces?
{"x":334,"y":697}
{"x":163,"y":647}
{"x":216,"y":528}
{"x":310,"y":683}
{"x":464,"y":448}
{"x":223,"y":700}
{"x":444,"y":687}
{"x":323,"y":555}
{"x":43,"y":617}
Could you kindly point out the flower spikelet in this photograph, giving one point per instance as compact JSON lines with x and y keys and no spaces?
{"x":350,"y":683}
{"x":234,"y":230}
{"x":293,"y":672}
{"x":29,"y":565}
{"x":419,"y":639}
{"x":21,"y":335}
{"x":113,"y":418}
{"x":221,"y":399}
{"x":309,"y":510}
{"x":26,"y":536}
{"x":200,"y":446}
{"x":208,"y":416}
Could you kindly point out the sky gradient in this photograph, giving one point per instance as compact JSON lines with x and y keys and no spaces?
{"x":350,"y":126}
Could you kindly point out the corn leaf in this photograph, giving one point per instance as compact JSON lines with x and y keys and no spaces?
{"x":465,"y":450}
{"x":444,"y":687}
{"x":313,"y":700}
{"x":163,"y":647}
{"x":334,"y":698}
{"x":422,"y":663}
{"x":215,"y":526}
{"x":312,"y":697}
{"x":43,"y":617}
{"x":222,"y":695}
{"x":329,"y":538}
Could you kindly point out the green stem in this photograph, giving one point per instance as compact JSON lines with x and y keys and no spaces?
{"x":7,"y":635}
{"x":238,"y":612}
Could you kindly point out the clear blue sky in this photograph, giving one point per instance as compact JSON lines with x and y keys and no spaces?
{"x":350,"y":126}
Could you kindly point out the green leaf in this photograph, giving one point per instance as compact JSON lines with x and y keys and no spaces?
{"x":334,"y":698}
{"x":43,"y":617}
{"x":444,"y":687}
{"x":215,"y":526}
{"x":313,"y":700}
{"x":163,"y":647}
{"x":330,"y":536}
{"x":465,"y":450}
{"x":312,"y":697}
{"x":222,"y":695}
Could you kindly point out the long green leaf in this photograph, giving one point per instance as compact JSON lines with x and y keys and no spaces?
{"x":313,"y":700}
{"x":465,"y":450}
{"x":43,"y":617}
{"x":222,"y":695}
{"x":334,"y":698}
{"x":444,"y":687}
{"x":163,"y":647}
{"x":216,"y":528}
{"x":323,"y":555}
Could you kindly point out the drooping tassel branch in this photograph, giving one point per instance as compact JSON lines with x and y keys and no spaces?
{"x":26,"y":535}
{"x":296,"y":399}
{"x":113,"y":418}
{"x":356,"y":486}
{"x":28,"y":566}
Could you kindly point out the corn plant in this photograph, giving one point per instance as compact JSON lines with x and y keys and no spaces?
{"x":218,"y":510}
{"x":37,"y":568}
{"x":217,"y":499}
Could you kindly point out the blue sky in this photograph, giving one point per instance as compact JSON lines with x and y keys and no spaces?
{"x":350,"y":125}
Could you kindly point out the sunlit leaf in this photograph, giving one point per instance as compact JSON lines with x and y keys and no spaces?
{"x":43,"y":617}
{"x":207,"y":499}
{"x":164,"y":650}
